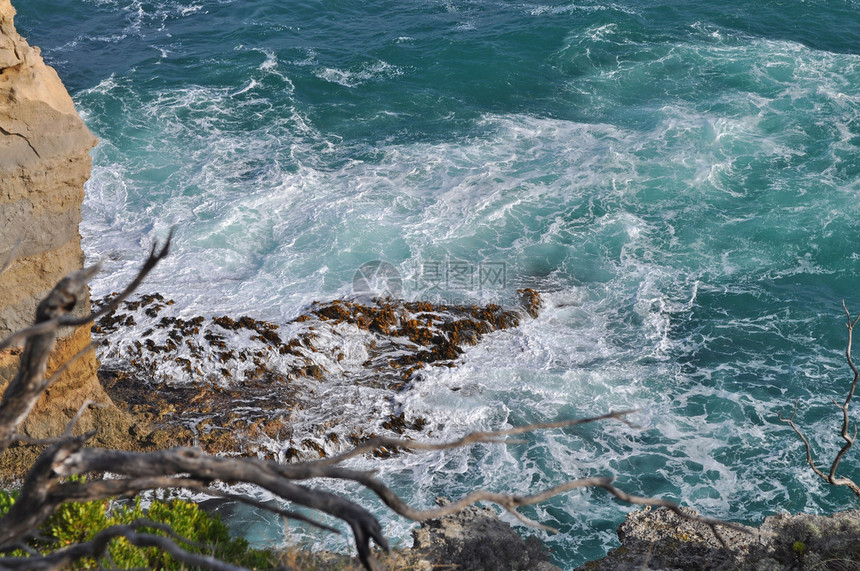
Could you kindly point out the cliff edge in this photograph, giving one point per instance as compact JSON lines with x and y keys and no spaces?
{"x":44,"y":162}
{"x":659,"y":539}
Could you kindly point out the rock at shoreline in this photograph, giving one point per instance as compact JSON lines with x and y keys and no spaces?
{"x":285,"y":391}
{"x":660,"y":539}
{"x":473,"y":539}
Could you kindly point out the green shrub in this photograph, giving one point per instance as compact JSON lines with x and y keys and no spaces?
{"x":77,"y":522}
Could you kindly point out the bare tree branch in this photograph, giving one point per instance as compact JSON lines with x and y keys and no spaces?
{"x":28,"y":385}
{"x":44,"y":488}
{"x":472,"y":438}
{"x":191,"y":469}
{"x":11,"y":256}
{"x":849,"y":439}
{"x":809,"y":459}
{"x":831,"y":478}
{"x":101,"y":489}
{"x":209,"y":491}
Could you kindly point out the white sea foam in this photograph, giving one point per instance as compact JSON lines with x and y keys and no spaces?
{"x":363,"y":74}
{"x":630,"y":229}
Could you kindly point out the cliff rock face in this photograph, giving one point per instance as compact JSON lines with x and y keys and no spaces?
{"x":44,"y":162}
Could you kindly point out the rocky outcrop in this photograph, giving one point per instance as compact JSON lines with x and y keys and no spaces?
{"x":44,"y":162}
{"x":660,"y":539}
{"x":246,"y":386}
{"x":475,"y":539}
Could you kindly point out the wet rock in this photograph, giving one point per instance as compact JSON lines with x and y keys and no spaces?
{"x":530,"y":300}
{"x":251,"y":380}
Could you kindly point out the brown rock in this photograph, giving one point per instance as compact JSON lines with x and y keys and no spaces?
{"x":44,"y":162}
{"x":660,"y":539}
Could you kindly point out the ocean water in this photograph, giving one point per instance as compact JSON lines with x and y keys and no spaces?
{"x":678,"y":179}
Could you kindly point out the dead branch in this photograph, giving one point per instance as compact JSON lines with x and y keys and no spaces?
{"x":11,"y":256}
{"x":286,"y":514}
{"x":192,"y":469}
{"x":831,"y":477}
{"x":97,"y":547}
{"x":52,"y":313}
{"x":472,"y":438}
{"x":46,"y":486}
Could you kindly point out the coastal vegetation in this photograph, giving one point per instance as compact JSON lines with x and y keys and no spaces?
{"x":80,"y":522}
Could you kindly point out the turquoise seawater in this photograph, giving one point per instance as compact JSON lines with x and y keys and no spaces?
{"x":679,"y":179}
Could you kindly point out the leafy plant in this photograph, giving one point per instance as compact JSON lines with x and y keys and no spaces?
{"x":198,"y":531}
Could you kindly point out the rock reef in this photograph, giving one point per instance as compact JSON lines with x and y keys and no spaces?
{"x":475,"y":539}
{"x":247,"y":386}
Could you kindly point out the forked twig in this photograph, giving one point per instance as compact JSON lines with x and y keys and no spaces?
{"x":849,"y":439}
{"x":44,"y":488}
{"x":11,"y":256}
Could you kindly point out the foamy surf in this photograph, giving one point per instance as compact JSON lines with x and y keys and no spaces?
{"x":679,"y":182}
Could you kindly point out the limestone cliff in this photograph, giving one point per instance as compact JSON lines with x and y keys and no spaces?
{"x":44,"y":162}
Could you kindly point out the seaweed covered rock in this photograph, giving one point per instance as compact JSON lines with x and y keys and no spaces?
{"x":285,"y":391}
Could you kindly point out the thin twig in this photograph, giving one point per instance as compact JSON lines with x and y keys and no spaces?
{"x":155,"y":256}
{"x":11,"y":256}
{"x":809,"y":458}
{"x":849,"y":439}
